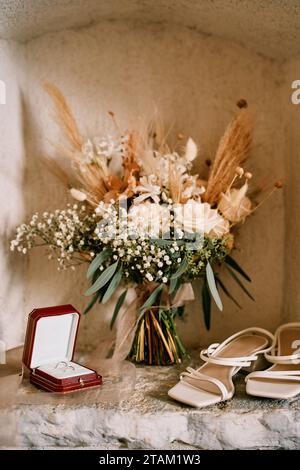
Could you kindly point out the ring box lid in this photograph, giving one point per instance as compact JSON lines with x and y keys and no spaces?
{"x":51,"y":335}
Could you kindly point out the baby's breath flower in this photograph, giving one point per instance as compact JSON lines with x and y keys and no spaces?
{"x":65,"y":232}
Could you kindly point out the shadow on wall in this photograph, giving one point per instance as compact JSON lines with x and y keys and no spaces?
{"x":196,"y":80}
{"x":12,"y":267}
{"x":45,"y":285}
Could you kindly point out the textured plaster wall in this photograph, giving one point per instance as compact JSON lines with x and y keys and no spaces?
{"x":291,"y":72}
{"x":12,"y":269}
{"x":255,"y":24}
{"x":194,"y":80}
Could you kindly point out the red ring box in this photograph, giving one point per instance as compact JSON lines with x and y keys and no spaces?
{"x":49,"y":350}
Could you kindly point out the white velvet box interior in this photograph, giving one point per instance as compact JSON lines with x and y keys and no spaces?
{"x":62,"y":371}
{"x":54,"y":339}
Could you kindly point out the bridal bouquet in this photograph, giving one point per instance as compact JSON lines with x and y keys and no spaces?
{"x":144,"y":221}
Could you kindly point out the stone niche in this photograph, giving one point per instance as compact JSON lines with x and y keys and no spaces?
{"x":192,"y":61}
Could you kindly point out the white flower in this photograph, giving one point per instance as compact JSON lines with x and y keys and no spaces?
{"x":201,"y":218}
{"x":107,"y":147}
{"x":148,"y":189}
{"x":149,"y":219}
{"x":191,"y":188}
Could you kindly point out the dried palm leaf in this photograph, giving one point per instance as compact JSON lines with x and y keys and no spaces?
{"x":65,"y":116}
{"x":93,"y":183}
{"x":233,"y":150}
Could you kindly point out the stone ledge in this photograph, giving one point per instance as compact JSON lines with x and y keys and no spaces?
{"x":149,"y":419}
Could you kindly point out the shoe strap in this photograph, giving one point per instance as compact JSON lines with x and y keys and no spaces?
{"x":292,"y":359}
{"x":241,"y":361}
{"x":251,"y":330}
{"x":196,"y":375}
{"x":289,"y":375}
{"x":273,"y":356}
{"x":211,"y":353}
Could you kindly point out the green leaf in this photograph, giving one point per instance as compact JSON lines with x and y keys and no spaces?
{"x":102,"y":279}
{"x":206,"y":304}
{"x":173,"y":286}
{"x":165,"y":242}
{"x":212,"y":286}
{"x":92,"y":303}
{"x":226,"y":291}
{"x":239,"y":282}
{"x":112,"y":286}
{"x":237,"y":268}
{"x":97,"y":261}
{"x":162,"y":241}
{"x":181,"y":270}
{"x":117,"y":307}
{"x":152,"y":297}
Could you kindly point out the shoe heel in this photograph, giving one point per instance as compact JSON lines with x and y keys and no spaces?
{"x":260,"y":364}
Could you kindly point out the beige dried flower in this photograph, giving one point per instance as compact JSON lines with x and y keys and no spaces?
{"x":239,"y":171}
{"x":78,"y":195}
{"x":235,"y":205}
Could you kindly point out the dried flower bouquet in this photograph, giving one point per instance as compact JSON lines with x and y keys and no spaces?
{"x":142,"y":219}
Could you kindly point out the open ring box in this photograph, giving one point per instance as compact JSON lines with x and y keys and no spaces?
{"x":49,"y":349}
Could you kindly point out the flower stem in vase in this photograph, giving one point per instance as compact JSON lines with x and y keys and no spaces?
{"x":149,"y":338}
{"x":156,"y":340}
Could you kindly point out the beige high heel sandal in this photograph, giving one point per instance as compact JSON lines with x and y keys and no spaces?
{"x":212,"y":382}
{"x":282,"y":379}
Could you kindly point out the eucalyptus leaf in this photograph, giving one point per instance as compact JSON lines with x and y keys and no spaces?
{"x":152,"y":297}
{"x":117,"y":307}
{"x":239,"y":282}
{"x":206,"y":305}
{"x":179,"y":241}
{"x":103,"y":279}
{"x":113,"y":285}
{"x":237,"y":268}
{"x":162,"y":241}
{"x":97,"y":261}
{"x":165,"y":242}
{"x":92,"y":303}
{"x":226,"y":291}
{"x":212,"y":286}
{"x":181,"y":270}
